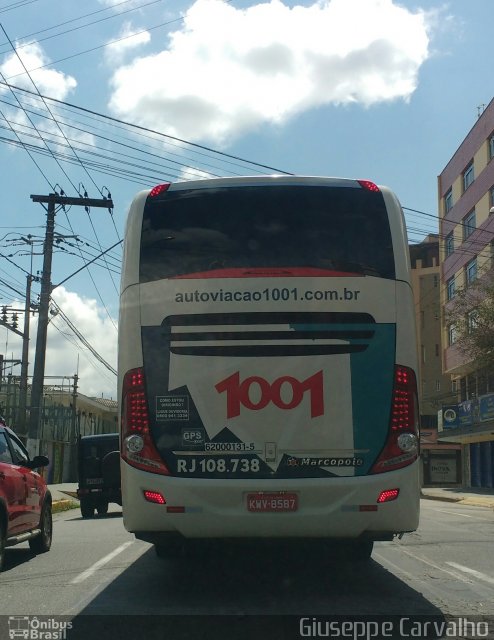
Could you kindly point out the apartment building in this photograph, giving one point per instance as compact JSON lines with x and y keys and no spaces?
{"x":441,"y":462}
{"x":466,"y":233}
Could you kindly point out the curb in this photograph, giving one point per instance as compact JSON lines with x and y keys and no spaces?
{"x":471,"y":501}
{"x":63,"y":505}
{"x":441,"y":498}
{"x":478,"y":502}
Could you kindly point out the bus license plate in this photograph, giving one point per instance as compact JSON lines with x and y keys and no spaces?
{"x":272,"y":502}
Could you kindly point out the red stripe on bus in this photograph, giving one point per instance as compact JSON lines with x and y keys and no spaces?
{"x":258,"y":272}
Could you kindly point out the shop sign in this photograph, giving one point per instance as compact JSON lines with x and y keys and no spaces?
{"x":466,"y":413}
{"x":448,"y":417}
{"x":443,"y":470}
{"x":428,"y":437}
{"x":486,"y":407}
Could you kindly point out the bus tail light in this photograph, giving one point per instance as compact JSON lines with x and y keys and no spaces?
{"x":159,"y":188}
{"x":137,"y":445}
{"x":402,"y":444}
{"x":154,"y":496}
{"x":370,"y":186}
{"x":388,"y":495}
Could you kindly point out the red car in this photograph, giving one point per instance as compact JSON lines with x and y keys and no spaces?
{"x":25,"y":501}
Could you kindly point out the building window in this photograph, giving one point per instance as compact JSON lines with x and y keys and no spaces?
{"x":471,"y":271}
{"x":449,"y":244}
{"x":448,"y":200}
{"x":472,"y":320}
{"x":491,"y":147}
{"x":490,"y":382}
{"x":436,"y":281}
{"x":468,"y":176}
{"x":451,"y":288}
{"x":469,"y":224}
{"x":482,"y":383}
{"x":438,"y":385}
{"x":491,"y":197}
{"x":452,"y":334}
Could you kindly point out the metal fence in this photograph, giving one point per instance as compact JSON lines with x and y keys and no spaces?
{"x":65,"y":415}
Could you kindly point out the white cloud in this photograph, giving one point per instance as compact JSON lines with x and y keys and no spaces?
{"x":128,"y":39}
{"x":193,"y":174}
{"x":53,"y":83}
{"x":229,"y":70}
{"x":65,"y":354}
{"x":94,"y":324}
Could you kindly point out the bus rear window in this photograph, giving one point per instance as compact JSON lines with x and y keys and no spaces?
{"x":330,"y":228}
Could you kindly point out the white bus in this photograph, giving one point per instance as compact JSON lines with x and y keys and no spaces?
{"x":267,"y":360}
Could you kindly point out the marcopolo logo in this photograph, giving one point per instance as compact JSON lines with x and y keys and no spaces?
{"x":325,"y":462}
{"x":35,"y":628}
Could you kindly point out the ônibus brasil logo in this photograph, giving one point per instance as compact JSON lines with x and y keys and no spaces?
{"x":238,"y":393}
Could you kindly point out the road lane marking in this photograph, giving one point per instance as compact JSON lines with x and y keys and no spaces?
{"x":383,"y":560}
{"x":472,"y":572}
{"x":487,"y":518}
{"x":455,"y":513}
{"x":100,"y":563}
{"x":435,"y":594}
{"x":458,"y":576}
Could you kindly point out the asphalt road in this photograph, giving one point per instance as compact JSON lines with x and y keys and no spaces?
{"x":98,"y":577}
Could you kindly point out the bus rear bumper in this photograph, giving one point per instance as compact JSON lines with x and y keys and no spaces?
{"x":340,"y":508}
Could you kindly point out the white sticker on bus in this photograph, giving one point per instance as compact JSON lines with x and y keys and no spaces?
{"x":286,"y":412}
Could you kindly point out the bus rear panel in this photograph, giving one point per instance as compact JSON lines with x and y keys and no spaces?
{"x":267,"y":362}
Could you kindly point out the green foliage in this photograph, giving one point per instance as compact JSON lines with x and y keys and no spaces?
{"x":472,"y":313}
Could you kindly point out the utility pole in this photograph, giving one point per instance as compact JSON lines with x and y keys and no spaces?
{"x":74,"y":405}
{"x":69,"y":456}
{"x":51,"y":200}
{"x":21,"y":418}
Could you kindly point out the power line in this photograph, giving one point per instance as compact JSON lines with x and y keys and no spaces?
{"x":74,"y":342}
{"x":126,"y":173}
{"x":158,"y":134}
{"x":79,"y":145}
{"x":103,"y":46}
{"x":83,"y":339}
{"x":28,"y":152}
{"x":66,"y":139}
{"x":17,"y":5}
{"x":34,"y":126}
{"x":49,"y":111}
{"x":56,"y":35}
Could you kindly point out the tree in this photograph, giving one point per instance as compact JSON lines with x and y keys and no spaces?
{"x":471,"y":315}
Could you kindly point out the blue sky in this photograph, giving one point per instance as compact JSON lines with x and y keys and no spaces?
{"x":370,"y":89}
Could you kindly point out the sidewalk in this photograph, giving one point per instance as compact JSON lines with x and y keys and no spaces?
{"x":474,"y":497}
{"x":64,"y":494}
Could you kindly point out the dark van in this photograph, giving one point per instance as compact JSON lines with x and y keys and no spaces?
{"x":99,"y":473}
